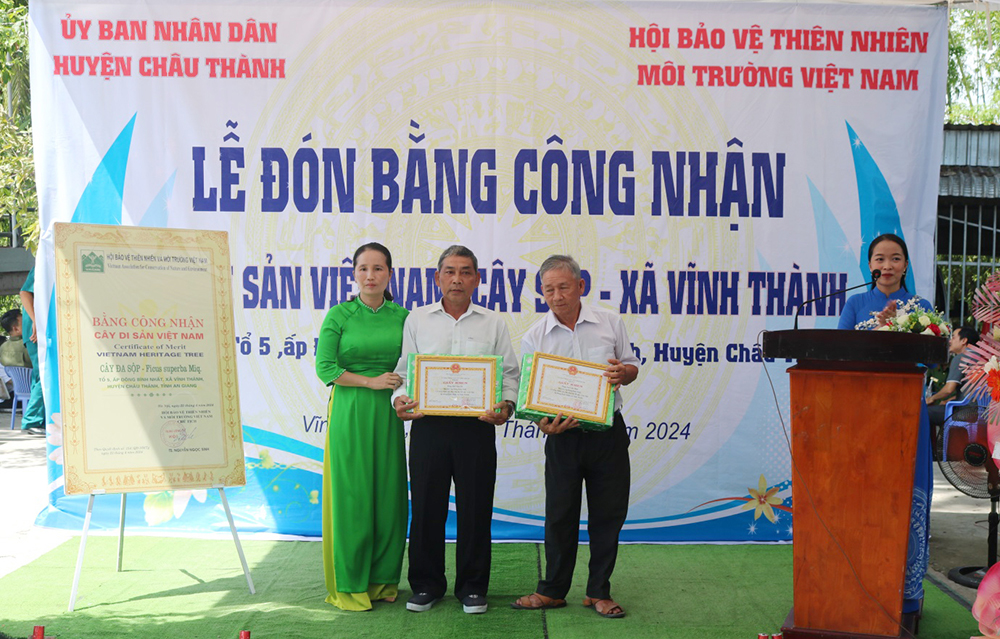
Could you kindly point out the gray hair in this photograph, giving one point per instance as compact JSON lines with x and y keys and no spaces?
{"x":457,"y":250}
{"x":560,"y":261}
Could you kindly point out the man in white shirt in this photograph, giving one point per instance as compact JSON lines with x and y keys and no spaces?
{"x":459,"y":448}
{"x":572,"y":456}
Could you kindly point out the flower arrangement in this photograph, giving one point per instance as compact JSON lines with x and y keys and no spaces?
{"x":911,"y":317}
{"x":991,"y":371}
{"x":982,"y":361}
{"x":982,"y":379}
{"x":986,"y":301}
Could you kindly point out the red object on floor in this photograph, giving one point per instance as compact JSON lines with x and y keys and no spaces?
{"x":244,"y":634}
{"x":39,"y":633}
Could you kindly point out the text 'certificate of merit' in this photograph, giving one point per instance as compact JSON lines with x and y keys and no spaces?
{"x":454,"y":384}
{"x":573,"y":387}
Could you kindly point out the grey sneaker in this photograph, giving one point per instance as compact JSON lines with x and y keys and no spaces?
{"x":474,"y":604}
{"x":422,"y":602}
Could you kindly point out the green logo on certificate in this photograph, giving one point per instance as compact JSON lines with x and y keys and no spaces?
{"x":92,"y":262}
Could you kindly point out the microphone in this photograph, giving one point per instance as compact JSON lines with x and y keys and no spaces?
{"x":875,"y":275}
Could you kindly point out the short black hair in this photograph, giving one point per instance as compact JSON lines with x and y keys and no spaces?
{"x":967,"y":333}
{"x":8,"y":319}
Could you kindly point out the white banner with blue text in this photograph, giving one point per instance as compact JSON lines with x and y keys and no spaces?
{"x":710,"y":165}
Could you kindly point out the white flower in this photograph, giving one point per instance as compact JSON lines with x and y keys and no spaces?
{"x":924,"y":320}
{"x":884,"y":327}
{"x":181,"y":498}
{"x":161,"y":507}
{"x":53,"y":436}
{"x":992,"y":365}
{"x":927,"y":332}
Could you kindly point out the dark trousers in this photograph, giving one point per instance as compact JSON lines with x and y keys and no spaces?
{"x":600,"y":459}
{"x":936,"y":414}
{"x":442,"y":449}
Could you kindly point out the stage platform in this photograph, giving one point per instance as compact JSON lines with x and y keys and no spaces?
{"x":183,"y":588}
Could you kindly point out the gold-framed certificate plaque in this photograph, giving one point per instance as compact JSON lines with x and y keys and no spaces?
{"x":147,"y":359}
{"x":576,"y":388}
{"x":456,"y":385}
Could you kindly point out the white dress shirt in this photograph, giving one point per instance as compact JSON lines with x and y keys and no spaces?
{"x":599,"y":335}
{"x":431,"y":330}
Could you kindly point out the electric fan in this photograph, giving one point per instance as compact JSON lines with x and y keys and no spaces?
{"x":966,"y":463}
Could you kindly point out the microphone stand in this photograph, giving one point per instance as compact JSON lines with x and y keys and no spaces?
{"x":875,"y":275}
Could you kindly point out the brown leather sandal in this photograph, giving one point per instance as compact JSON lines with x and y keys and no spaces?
{"x":611,"y":609}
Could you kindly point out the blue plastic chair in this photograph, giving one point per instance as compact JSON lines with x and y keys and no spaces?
{"x":964,"y":414}
{"x":22,"y":390}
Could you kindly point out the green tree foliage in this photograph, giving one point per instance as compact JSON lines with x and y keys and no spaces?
{"x":17,"y":181}
{"x":18,"y":194}
{"x":973,"y":67}
{"x":14,"y":52}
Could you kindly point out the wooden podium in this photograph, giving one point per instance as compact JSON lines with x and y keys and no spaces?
{"x":854,"y":419}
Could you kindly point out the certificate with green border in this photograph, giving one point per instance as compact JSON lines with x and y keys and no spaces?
{"x":456,"y":385}
{"x":551,"y":384}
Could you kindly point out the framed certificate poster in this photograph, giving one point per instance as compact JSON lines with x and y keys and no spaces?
{"x":458,"y":385}
{"x":576,"y":388}
{"x":146,"y":359}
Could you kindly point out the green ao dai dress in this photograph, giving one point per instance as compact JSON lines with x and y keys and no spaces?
{"x":364,"y":465}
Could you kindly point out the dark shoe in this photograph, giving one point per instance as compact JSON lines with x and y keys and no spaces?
{"x":422,"y":602}
{"x":35,"y":430}
{"x":474,"y":604}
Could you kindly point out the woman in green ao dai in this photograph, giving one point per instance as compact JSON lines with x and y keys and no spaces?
{"x":364,"y":466}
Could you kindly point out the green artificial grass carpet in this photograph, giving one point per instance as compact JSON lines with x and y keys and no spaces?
{"x":188,"y":588}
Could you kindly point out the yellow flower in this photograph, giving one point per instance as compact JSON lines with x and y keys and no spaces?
{"x":265,"y":459}
{"x":762,"y":499}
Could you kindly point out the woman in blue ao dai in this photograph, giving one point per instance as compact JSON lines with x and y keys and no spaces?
{"x":888,"y":254}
